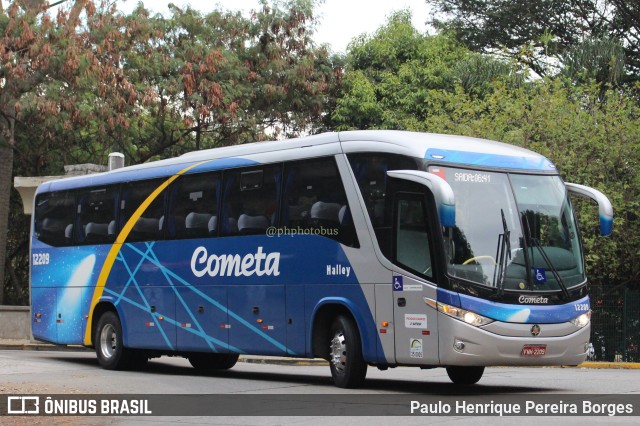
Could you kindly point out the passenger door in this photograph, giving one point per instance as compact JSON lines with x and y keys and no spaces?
{"x":416,"y":324}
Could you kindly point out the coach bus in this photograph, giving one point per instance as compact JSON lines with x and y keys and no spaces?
{"x":365,"y":248}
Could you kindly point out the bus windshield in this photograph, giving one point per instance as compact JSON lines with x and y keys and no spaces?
{"x":513,"y":232}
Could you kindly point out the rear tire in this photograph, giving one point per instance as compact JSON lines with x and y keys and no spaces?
{"x":207,"y":361}
{"x":348,"y":368}
{"x":465,"y":375}
{"x":111,"y":353}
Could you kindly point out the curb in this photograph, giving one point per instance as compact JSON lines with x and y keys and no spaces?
{"x":614,"y":365}
{"x":26,"y":345}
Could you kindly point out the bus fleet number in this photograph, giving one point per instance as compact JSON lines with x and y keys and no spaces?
{"x":581,"y":307}
{"x":40,"y":258}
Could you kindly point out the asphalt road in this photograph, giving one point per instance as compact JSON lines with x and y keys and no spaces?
{"x":35,"y":372}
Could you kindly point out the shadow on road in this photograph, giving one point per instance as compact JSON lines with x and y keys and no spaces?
{"x":288,"y":375}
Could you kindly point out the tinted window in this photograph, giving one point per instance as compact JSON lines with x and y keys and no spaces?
{"x":149,"y":226}
{"x":250,"y":200}
{"x":54,"y":218}
{"x":315,"y":201}
{"x":96,"y":222}
{"x":193,"y":206}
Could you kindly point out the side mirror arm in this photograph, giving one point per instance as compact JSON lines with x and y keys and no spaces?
{"x":604,"y":205}
{"x":441,"y":190}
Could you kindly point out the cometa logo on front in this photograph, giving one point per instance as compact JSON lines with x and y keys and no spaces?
{"x":227,"y":265}
{"x":533,"y":299}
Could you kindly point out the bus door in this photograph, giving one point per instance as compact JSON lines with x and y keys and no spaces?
{"x":416,"y":324}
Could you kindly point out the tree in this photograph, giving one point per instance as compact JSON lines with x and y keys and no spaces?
{"x":35,"y":50}
{"x":92,"y":80}
{"x":542,"y":34}
{"x":59,"y":73}
{"x":223,"y":78}
{"x":393,"y":76}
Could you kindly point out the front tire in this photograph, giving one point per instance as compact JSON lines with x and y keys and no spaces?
{"x":348,"y":368}
{"x":207,"y":361}
{"x":111,"y":353}
{"x":465,"y":375}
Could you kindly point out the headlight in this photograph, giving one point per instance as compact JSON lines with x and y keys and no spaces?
{"x":582,"y":320}
{"x":469,"y":317}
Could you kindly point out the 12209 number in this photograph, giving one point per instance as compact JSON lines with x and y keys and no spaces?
{"x":40,"y":259}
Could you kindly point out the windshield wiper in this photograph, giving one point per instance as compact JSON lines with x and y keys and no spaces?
{"x":504,"y":242}
{"x":553,"y":269}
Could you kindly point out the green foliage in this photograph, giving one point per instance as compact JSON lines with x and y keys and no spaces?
{"x":595,"y":59}
{"x":476,"y":73}
{"x":387,"y":69}
{"x":396,"y":77}
{"x":601,"y":38}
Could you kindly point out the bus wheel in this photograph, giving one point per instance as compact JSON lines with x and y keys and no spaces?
{"x":205,"y":361}
{"x":112,"y":355}
{"x":348,"y":368}
{"x":465,"y":375}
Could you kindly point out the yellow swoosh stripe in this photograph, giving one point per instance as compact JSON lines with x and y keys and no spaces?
{"x":115,"y":248}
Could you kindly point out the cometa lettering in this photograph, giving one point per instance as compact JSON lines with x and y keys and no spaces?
{"x":227,"y":265}
{"x":533,"y":299}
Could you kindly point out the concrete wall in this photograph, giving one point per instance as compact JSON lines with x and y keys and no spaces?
{"x":15,"y":322}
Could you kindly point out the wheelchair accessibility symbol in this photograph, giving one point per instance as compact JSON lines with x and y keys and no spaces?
{"x":540,"y":275}
{"x":397,"y":283}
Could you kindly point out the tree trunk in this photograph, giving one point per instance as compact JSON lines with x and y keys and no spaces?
{"x":6,"y":172}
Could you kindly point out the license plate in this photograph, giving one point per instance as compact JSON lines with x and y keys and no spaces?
{"x":534,"y":350}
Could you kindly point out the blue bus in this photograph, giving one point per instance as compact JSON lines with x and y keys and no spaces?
{"x":365,"y":248}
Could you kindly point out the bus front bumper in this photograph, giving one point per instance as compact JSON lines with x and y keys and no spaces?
{"x":465,"y":345}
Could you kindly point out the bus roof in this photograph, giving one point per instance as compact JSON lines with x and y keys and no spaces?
{"x":445,"y":149}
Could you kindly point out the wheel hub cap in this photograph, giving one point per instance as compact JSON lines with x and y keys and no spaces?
{"x":338,"y":352}
{"x":108,"y":343}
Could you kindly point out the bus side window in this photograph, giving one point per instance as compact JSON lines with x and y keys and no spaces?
{"x":250,"y":200}
{"x":315,"y":203}
{"x":193,"y":206}
{"x":54,"y":217}
{"x":148,"y":227}
{"x":96,"y":215}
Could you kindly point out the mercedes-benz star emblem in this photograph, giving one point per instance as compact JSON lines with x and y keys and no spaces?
{"x":535,"y":330}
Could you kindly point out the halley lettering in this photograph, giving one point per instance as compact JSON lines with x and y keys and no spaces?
{"x":260,"y":263}
{"x":533,"y":299}
{"x":338,"y":269}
